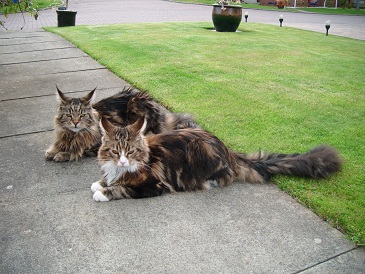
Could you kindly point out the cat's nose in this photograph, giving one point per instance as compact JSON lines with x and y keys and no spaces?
{"x":123,"y":161}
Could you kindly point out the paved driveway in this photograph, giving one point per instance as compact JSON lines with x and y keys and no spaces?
{"x":93,"y":12}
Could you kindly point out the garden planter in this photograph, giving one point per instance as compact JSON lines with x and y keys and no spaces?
{"x":227,"y":19}
{"x":66,"y":18}
{"x":281,"y":4}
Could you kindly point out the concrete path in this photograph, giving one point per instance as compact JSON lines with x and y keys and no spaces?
{"x":50,"y":224}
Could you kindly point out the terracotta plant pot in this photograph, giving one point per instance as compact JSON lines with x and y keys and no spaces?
{"x":227,"y":19}
{"x":281,"y":4}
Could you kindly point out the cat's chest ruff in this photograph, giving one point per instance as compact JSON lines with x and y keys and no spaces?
{"x":81,"y":132}
{"x":75,"y":129}
{"x":113,"y":173}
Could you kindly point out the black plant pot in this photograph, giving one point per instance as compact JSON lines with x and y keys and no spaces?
{"x":66,"y":18}
{"x":227,"y":19}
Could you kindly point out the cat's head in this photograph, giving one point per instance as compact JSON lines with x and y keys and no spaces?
{"x":124,"y":148}
{"x":75,"y":114}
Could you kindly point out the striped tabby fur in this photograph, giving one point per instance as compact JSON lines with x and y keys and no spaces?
{"x":130,"y":104}
{"x":136,"y":165}
{"x":77,"y":130}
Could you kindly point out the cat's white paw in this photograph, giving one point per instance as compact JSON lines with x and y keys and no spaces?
{"x":96,"y":186}
{"x":100,"y":197}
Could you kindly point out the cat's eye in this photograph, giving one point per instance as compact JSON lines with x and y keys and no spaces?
{"x":130,"y":152}
{"x":82,"y":115}
{"x":114,"y":151}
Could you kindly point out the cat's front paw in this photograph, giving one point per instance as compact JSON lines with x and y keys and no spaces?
{"x":61,"y":157}
{"x":100,"y":197}
{"x":96,"y":186}
{"x":49,"y":155}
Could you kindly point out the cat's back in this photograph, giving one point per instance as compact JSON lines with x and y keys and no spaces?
{"x":116,"y":102}
{"x":193,"y":152}
{"x":180,"y":138}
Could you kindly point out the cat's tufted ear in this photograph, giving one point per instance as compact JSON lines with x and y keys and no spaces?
{"x":140,"y":125}
{"x":89,"y":97}
{"x":106,"y":126}
{"x":61,"y":97}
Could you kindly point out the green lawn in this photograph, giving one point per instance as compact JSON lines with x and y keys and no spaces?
{"x":271,"y":88}
{"x":321,"y":10}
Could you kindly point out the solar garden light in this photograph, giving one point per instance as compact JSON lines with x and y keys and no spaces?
{"x":246,"y":15}
{"x":328,"y":25}
{"x":281,"y":19}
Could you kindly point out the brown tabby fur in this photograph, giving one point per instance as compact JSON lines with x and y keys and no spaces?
{"x":77,"y":132}
{"x":136,"y":165}
{"x":127,"y":106}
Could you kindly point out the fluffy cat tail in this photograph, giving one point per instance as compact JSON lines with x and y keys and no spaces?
{"x":320,"y":162}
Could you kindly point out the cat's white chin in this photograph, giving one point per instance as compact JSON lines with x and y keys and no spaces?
{"x":100,"y":197}
{"x":75,"y":129}
{"x":130,"y":168}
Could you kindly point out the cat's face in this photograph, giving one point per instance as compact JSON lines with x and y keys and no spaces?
{"x":123,"y":148}
{"x":75,"y":114}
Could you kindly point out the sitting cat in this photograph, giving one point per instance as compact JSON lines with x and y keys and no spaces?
{"x":127,"y":106}
{"x":136,"y":165}
{"x":76,"y":128}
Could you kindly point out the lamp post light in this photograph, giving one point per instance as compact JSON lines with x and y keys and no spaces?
{"x":281,"y":19}
{"x":328,"y":25}
{"x":246,"y":15}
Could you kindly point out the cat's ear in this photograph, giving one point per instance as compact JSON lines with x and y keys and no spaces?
{"x":61,"y":97}
{"x":89,"y":97}
{"x":106,"y":126}
{"x":140,"y":125}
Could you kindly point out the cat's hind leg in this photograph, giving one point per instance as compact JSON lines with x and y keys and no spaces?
{"x":93,"y":151}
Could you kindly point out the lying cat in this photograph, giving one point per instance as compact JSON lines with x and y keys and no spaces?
{"x":76,"y":128}
{"x":127,"y":106}
{"x":136,"y":165}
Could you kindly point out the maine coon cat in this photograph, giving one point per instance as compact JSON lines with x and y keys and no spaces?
{"x":136,"y":165}
{"x":77,"y":131}
{"x":130,"y":104}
